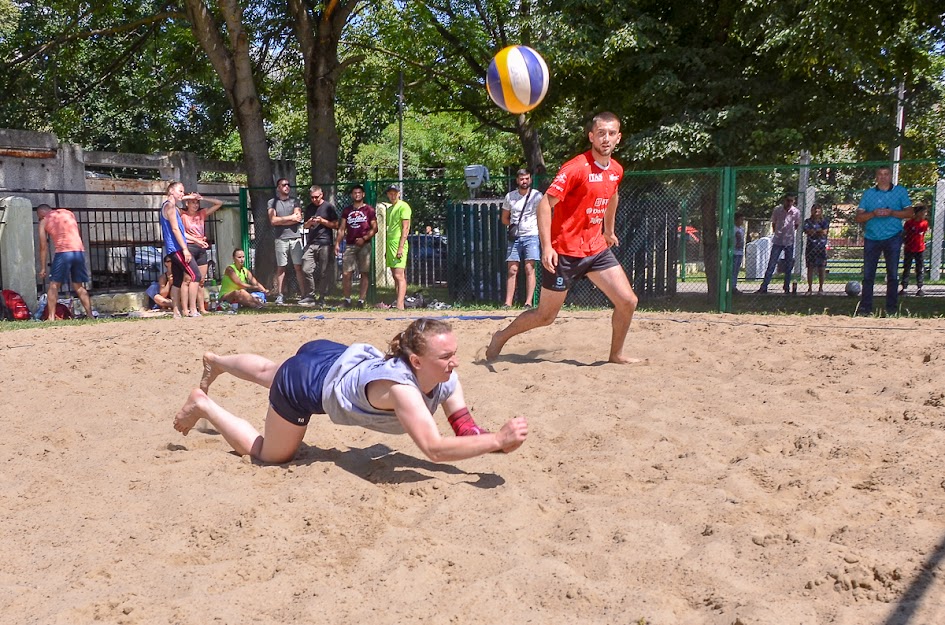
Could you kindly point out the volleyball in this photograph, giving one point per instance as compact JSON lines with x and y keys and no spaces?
{"x":517,"y":79}
{"x":853,"y":288}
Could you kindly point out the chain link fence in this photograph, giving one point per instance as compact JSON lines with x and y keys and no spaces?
{"x":836,"y":188}
{"x":676,"y":230}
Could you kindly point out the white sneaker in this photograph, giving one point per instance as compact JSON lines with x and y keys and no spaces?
{"x":279,"y":300}
{"x":305,"y":301}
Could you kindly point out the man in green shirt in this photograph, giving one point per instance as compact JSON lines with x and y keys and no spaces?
{"x":398,"y":226}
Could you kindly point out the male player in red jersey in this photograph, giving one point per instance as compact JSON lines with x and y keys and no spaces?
{"x":576,"y":240}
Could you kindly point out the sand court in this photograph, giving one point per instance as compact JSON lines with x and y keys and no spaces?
{"x":754,"y":469}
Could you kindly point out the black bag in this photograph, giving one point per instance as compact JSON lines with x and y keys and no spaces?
{"x":513,"y":232}
{"x":415,"y":301}
{"x":5,"y":313}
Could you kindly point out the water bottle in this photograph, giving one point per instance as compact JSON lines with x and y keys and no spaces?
{"x":214,"y":303}
{"x":40,"y":307}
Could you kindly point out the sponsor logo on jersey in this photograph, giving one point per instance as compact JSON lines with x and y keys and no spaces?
{"x":592,"y":177}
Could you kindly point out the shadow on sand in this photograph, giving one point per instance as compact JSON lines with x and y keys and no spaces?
{"x":379,"y":464}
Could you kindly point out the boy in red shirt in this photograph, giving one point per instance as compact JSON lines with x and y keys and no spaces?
{"x":914,"y":237}
{"x":576,"y":226}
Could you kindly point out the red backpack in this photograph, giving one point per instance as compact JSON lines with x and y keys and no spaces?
{"x":17,"y":305}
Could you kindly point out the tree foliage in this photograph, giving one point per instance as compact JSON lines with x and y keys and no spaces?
{"x":447,"y":52}
{"x":696,"y":83}
{"x":726,"y":82}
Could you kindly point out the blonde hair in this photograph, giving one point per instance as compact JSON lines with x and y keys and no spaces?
{"x":414,"y":339}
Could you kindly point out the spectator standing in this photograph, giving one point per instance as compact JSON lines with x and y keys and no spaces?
{"x":738,"y":254}
{"x":59,"y":226}
{"x":785,"y":221}
{"x":321,"y":219}
{"x":817,"y":229}
{"x":520,"y":214}
{"x":357,"y":227}
{"x":398,"y":226}
{"x":194,"y":220}
{"x":285,"y":217}
{"x":184,"y":270}
{"x":914,"y":236}
{"x":882,"y":209}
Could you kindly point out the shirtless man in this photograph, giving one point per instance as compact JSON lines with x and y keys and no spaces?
{"x":59,"y":226}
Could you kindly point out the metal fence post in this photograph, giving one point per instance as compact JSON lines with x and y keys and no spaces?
{"x":938,"y":230}
{"x":726,"y":226}
{"x":244,"y":221}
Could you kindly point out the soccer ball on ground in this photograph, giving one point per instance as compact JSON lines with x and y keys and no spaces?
{"x":853,"y":288}
{"x":517,"y":79}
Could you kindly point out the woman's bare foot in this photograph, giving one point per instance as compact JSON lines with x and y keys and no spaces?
{"x":210,"y":371}
{"x":191,"y":412}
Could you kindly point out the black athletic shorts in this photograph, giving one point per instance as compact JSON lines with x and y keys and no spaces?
{"x":199,"y":253}
{"x":570,"y":269}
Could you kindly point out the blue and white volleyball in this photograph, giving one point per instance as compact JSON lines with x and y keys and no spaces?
{"x":517,"y":79}
{"x":853,"y":288}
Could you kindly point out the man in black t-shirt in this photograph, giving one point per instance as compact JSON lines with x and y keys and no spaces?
{"x":321,"y":219}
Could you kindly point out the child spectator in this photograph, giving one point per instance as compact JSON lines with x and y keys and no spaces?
{"x":914,"y":233}
{"x":816,"y":227}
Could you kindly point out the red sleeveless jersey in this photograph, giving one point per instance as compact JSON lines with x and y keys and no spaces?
{"x":583,"y":190}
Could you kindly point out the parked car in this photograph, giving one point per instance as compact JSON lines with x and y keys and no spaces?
{"x":426,"y":259}
{"x":148,"y":264}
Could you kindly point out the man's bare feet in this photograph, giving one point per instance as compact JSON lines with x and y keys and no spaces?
{"x":190,"y":413}
{"x":620,"y":359}
{"x":495,"y":346}
{"x":210,"y":371}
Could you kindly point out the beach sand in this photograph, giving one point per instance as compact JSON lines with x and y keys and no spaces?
{"x":755,"y":470}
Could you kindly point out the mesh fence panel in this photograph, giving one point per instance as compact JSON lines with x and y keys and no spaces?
{"x":837,"y":188}
{"x":675,"y":227}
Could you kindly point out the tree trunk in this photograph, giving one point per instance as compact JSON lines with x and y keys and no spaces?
{"x":531,"y":146}
{"x":318,"y":35}
{"x":234,"y":67}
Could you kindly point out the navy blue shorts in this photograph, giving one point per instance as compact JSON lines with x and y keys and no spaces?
{"x":69,"y":267}
{"x":296,"y":391}
{"x":570,"y":269}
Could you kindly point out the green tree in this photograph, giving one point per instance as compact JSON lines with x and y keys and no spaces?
{"x":318,"y":27}
{"x":444,"y":48}
{"x":227,"y":43}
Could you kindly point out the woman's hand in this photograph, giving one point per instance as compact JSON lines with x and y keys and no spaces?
{"x":513,"y":434}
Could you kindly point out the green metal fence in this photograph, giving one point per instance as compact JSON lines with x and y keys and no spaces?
{"x":837,"y":188}
{"x":675,"y":227}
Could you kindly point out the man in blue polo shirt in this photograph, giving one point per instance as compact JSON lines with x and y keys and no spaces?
{"x":882,"y":210}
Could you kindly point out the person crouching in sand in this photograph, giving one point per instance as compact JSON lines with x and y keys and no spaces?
{"x":395,"y":393}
